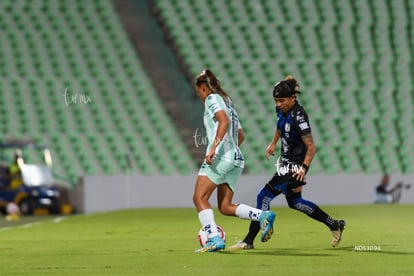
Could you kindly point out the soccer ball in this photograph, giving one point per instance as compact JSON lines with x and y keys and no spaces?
{"x":12,"y":209}
{"x":203,"y":239}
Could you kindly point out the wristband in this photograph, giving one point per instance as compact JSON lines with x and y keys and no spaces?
{"x":306,"y":167}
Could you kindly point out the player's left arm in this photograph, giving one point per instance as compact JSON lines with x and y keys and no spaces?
{"x":310,"y":148}
{"x":223,"y":124}
{"x":310,"y":153}
{"x":301,"y":123}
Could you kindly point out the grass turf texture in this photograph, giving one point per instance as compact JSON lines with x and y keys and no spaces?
{"x":378,"y":240}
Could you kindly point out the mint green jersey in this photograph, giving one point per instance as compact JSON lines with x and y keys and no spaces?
{"x":228,"y":150}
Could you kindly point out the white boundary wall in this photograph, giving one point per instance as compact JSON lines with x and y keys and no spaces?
{"x":107,"y":193}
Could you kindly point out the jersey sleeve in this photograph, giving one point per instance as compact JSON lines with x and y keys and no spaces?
{"x":214,"y":103}
{"x":302,"y":122}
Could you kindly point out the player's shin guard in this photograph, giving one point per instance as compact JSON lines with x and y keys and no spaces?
{"x":264,"y":197}
{"x":207,"y":221}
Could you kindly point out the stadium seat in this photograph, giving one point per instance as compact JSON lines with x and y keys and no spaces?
{"x":83,"y":48}
{"x":344,"y":53}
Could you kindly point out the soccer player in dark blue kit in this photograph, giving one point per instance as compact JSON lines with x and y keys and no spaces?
{"x":297,"y":152}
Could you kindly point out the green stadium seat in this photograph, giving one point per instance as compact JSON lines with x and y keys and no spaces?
{"x":247,"y":44}
{"x":57,"y":46}
{"x":342,"y":73}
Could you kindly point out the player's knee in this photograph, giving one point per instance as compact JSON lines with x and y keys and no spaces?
{"x":292,"y":202}
{"x":293,"y":199}
{"x":199,"y":198}
{"x":196,"y":198}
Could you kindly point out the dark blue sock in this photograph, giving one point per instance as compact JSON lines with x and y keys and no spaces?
{"x":264,"y":197}
{"x":312,"y":210}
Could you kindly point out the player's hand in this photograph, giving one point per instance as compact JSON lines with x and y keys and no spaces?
{"x":270,"y":150}
{"x":299,"y":174}
{"x":210,"y":156}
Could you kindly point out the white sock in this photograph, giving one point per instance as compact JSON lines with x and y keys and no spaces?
{"x":206,"y":218}
{"x":244,"y":211}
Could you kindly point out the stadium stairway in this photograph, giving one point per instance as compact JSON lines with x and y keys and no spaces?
{"x":174,"y":90}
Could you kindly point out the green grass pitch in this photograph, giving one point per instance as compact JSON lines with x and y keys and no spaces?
{"x":378,"y":240}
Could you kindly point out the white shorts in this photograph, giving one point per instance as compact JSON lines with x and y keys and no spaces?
{"x":382,"y":198}
{"x":220,"y":172}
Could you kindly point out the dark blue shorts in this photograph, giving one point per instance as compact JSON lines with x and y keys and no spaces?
{"x":284,"y":183}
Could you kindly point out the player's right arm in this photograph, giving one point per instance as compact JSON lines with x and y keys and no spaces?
{"x":270,"y":150}
{"x":240,"y":136}
{"x":223,"y":124}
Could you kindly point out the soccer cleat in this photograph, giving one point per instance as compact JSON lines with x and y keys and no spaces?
{"x":337,"y":234}
{"x":241,"y":245}
{"x":266,"y":224}
{"x":214,"y":244}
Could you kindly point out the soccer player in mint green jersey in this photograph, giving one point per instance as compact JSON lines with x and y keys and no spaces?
{"x":223,"y":164}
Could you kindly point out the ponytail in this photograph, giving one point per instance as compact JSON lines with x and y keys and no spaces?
{"x":293,"y":83}
{"x":208,"y":77}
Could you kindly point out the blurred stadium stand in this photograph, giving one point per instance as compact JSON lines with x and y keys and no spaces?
{"x":354,"y":60}
{"x":54,"y":51}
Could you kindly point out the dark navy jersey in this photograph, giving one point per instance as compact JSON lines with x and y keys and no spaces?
{"x":292,"y":127}
{"x":381,"y":189}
